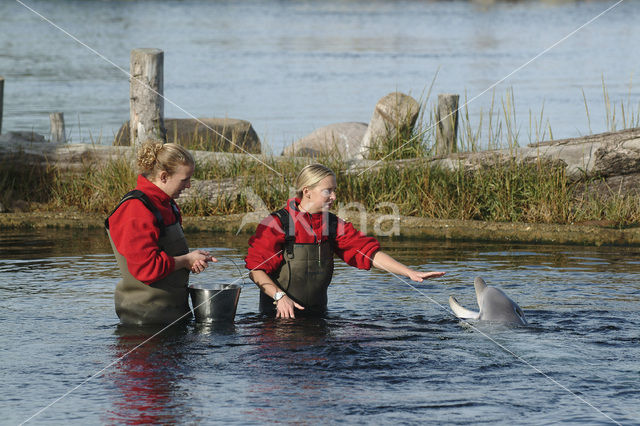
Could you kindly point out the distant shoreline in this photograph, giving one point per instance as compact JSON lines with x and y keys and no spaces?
{"x":593,"y":234}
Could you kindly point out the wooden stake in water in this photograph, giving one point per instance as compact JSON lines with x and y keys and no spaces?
{"x":1,"y":100}
{"x":447,"y":124}
{"x":57,"y":127}
{"x":146,"y":96}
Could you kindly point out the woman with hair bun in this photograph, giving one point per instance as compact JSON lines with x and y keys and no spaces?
{"x":145,"y":231}
{"x":291,"y":254}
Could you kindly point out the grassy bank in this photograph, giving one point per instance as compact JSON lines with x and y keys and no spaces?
{"x":508,"y":192}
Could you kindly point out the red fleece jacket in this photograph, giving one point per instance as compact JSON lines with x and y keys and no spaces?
{"x":265,"y":246}
{"x":135,"y":234}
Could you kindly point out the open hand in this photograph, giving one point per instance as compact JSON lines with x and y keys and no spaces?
{"x":418,"y":276}
{"x":285,"y":308}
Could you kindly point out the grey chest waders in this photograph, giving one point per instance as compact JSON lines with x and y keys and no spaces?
{"x":306,"y":270}
{"x":163,"y":301}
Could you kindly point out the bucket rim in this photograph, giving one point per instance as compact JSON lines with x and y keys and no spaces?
{"x":214,"y":287}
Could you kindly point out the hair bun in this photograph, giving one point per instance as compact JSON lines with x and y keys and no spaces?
{"x":155,"y":156}
{"x":148,"y":155}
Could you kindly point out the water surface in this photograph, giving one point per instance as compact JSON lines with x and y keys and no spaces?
{"x":388,"y":352}
{"x":292,"y":67}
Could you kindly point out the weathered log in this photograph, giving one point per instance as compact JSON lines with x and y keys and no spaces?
{"x":601,"y":155}
{"x":146,"y":96}
{"x":57,"y":132}
{"x":447,"y":124}
{"x":76,"y":157}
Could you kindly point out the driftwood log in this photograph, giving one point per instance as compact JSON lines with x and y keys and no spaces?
{"x":76,"y":157}
{"x":602,"y":155}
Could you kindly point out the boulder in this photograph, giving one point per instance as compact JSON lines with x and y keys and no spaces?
{"x":394,"y":114}
{"x":341,"y":139}
{"x":205,"y":134}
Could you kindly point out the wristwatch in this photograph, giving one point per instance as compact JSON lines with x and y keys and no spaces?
{"x":279,"y":295}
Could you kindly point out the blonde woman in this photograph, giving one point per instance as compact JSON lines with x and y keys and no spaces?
{"x":145,"y":231}
{"x":291,"y":254}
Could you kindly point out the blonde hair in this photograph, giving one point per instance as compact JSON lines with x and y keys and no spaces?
{"x":154,"y":157}
{"x":310,"y":175}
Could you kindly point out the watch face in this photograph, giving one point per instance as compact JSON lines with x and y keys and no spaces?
{"x":279,"y":295}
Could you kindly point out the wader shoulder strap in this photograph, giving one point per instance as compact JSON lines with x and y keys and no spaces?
{"x":333,"y":227}
{"x":290,"y":231}
{"x":139,"y":195}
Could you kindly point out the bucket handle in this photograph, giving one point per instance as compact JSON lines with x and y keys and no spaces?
{"x":237,"y":268}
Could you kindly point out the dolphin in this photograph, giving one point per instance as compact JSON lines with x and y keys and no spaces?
{"x":494,"y":306}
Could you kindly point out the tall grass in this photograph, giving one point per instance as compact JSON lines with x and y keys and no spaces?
{"x":535,"y":192}
{"x":23,"y":185}
{"x":617,"y":115}
{"x":94,"y":189}
{"x":505,"y":192}
{"x":531,"y":192}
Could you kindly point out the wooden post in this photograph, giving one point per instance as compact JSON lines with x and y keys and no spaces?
{"x":57,"y":127}
{"x":447,"y":124}
{"x":146,"y":96}
{"x":1,"y":100}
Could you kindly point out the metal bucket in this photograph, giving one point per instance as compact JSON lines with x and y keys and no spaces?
{"x":214,"y":303}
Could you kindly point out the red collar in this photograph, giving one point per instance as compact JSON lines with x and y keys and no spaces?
{"x":157,"y":195}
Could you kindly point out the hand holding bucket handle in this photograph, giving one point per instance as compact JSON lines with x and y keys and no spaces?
{"x":200,"y":259}
{"x":202,"y":264}
{"x":196,"y":261}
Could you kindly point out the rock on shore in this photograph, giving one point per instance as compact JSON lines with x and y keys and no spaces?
{"x":342,"y":139}
{"x":394,"y":114}
{"x":207,"y":134}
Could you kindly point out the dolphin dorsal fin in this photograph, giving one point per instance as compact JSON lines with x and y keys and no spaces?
{"x":480,"y":287}
{"x":461,"y":312}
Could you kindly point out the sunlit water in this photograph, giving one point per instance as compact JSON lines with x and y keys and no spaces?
{"x":292,"y":67}
{"x":388,"y":353}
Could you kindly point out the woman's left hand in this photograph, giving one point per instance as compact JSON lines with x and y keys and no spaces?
{"x":384,"y":261}
{"x":418,"y":276}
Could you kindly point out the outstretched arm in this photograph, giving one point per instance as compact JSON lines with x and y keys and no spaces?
{"x":383,"y":261}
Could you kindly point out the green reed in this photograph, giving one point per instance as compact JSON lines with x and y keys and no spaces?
{"x":95,"y":189}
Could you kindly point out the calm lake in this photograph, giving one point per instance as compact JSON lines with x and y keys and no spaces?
{"x":290,"y":67}
{"x":388,"y":353}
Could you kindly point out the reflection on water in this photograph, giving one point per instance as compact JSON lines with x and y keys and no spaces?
{"x":35,"y":244}
{"x":147,"y":376}
{"x":386,"y":353}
